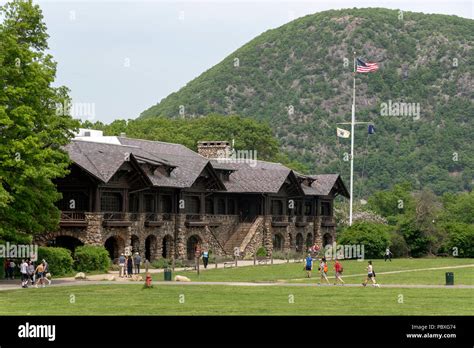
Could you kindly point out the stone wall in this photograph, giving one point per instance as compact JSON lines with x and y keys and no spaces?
{"x":214,"y":236}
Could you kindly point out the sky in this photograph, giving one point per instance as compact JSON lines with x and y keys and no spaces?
{"x":120,"y":57}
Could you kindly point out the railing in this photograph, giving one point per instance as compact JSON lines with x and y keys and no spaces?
{"x":194,"y":217}
{"x":279,"y":218}
{"x":73,"y":216}
{"x":153,"y":217}
{"x":329,"y":220}
{"x":115,"y":216}
{"x":248,"y":218}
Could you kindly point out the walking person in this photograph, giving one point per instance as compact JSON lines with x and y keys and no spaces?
{"x":122,"y":265}
{"x":137,"y":261}
{"x":24,"y":273}
{"x":31,"y":272}
{"x":129,"y":266}
{"x":323,"y":269}
{"x":205,"y":257}
{"x":46,"y":271}
{"x":338,"y":268}
{"x":388,"y":255}
{"x":40,"y":275}
{"x":370,"y":276}
{"x":309,"y":265}
{"x":11,"y":269}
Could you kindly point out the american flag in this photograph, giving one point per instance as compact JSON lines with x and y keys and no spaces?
{"x":364,"y":67}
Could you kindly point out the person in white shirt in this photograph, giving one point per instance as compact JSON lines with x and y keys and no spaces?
{"x":323,"y":270}
{"x":370,"y":275}
{"x":24,"y":273}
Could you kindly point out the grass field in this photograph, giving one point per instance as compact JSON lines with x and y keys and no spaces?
{"x":131,"y":299}
{"x":354,"y":272}
{"x":229,"y":300}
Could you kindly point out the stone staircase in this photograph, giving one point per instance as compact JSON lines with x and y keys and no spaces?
{"x":242,"y":236}
{"x":241,"y":231}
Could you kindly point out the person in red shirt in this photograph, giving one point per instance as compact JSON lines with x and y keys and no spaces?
{"x":338,"y":268}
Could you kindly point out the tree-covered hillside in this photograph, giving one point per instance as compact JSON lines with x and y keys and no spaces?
{"x":298,"y":78}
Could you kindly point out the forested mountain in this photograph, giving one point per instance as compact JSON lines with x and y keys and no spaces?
{"x":298,"y":79}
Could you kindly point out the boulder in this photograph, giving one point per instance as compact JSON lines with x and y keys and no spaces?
{"x":136,"y":278}
{"x":179,"y":278}
{"x":111,"y":278}
{"x":80,"y":276}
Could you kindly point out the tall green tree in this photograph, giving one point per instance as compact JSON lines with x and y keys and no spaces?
{"x":34,"y":124}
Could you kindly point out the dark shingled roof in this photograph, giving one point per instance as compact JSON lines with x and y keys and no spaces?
{"x":102,"y":160}
{"x":253,"y":177}
{"x":323,"y":184}
{"x":189,"y":164}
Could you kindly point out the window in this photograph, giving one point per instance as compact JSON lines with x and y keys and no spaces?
{"x":166,"y":205}
{"x":221,"y":206}
{"x":307,"y":208}
{"x":231,"y":206}
{"x":325,"y":209}
{"x":149,"y":203}
{"x":209,"y":206}
{"x":111,"y":201}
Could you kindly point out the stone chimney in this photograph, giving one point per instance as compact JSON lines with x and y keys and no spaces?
{"x":214,"y":149}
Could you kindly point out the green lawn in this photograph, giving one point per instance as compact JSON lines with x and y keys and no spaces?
{"x":354,"y":272}
{"x":229,"y":300}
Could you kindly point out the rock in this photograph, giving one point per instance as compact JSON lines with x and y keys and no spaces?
{"x":111,"y":278}
{"x":80,"y":276}
{"x":136,"y":278}
{"x":179,"y":278}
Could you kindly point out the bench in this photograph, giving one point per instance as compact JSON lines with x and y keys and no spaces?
{"x":189,"y":265}
{"x":263,"y":261}
{"x":229,"y":264}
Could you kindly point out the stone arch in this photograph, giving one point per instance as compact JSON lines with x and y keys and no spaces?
{"x":66,"y":241}
{"x":191,"y":246}
{"x":135,"y":243}
{"x":167,"y":247}
{"x":151,"y":247}
{"x":277,"y":242}
{"x":49,"y":238}
{"x":309,"y":240}
{"x":115,"y":245}
{"x":299,"y":242}
{"x":327,"y":239}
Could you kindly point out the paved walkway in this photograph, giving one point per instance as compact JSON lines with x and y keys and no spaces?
{"x":102,"y":279}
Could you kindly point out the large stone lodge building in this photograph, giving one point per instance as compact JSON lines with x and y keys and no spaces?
{"x":163,"y":199}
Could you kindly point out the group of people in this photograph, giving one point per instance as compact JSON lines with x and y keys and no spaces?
{"x":30,"y":274}
{"x":323,"y":270}
{"x":129,"y":265}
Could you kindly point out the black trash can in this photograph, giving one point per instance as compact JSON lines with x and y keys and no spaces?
{"x":167,"y":274}
{"x":449,"y":278}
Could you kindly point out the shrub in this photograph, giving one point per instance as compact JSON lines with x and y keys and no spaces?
{"x":375,"y":237}
{"x":59,"y":260}
{"x":460,"y":239}
{"x":398,"y":245}
{"x":91,"y":258}
{"x":162,"y":263}
{"x":262,"y":252}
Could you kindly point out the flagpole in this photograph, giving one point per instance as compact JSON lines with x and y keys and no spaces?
{"x":352,"y":143}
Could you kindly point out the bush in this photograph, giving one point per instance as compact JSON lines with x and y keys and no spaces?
{"x":59,"y":260}
{"x":91,"y":258}
{"x":398,"y":245}
{"x":161,"y":263}
{"x":166,"y":263}
{"x":261,"y":252}
{"x":375,"y":237}
{"x":460,"y":239}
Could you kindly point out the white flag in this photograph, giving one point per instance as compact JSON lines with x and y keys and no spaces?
{"x":342,"y":133}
